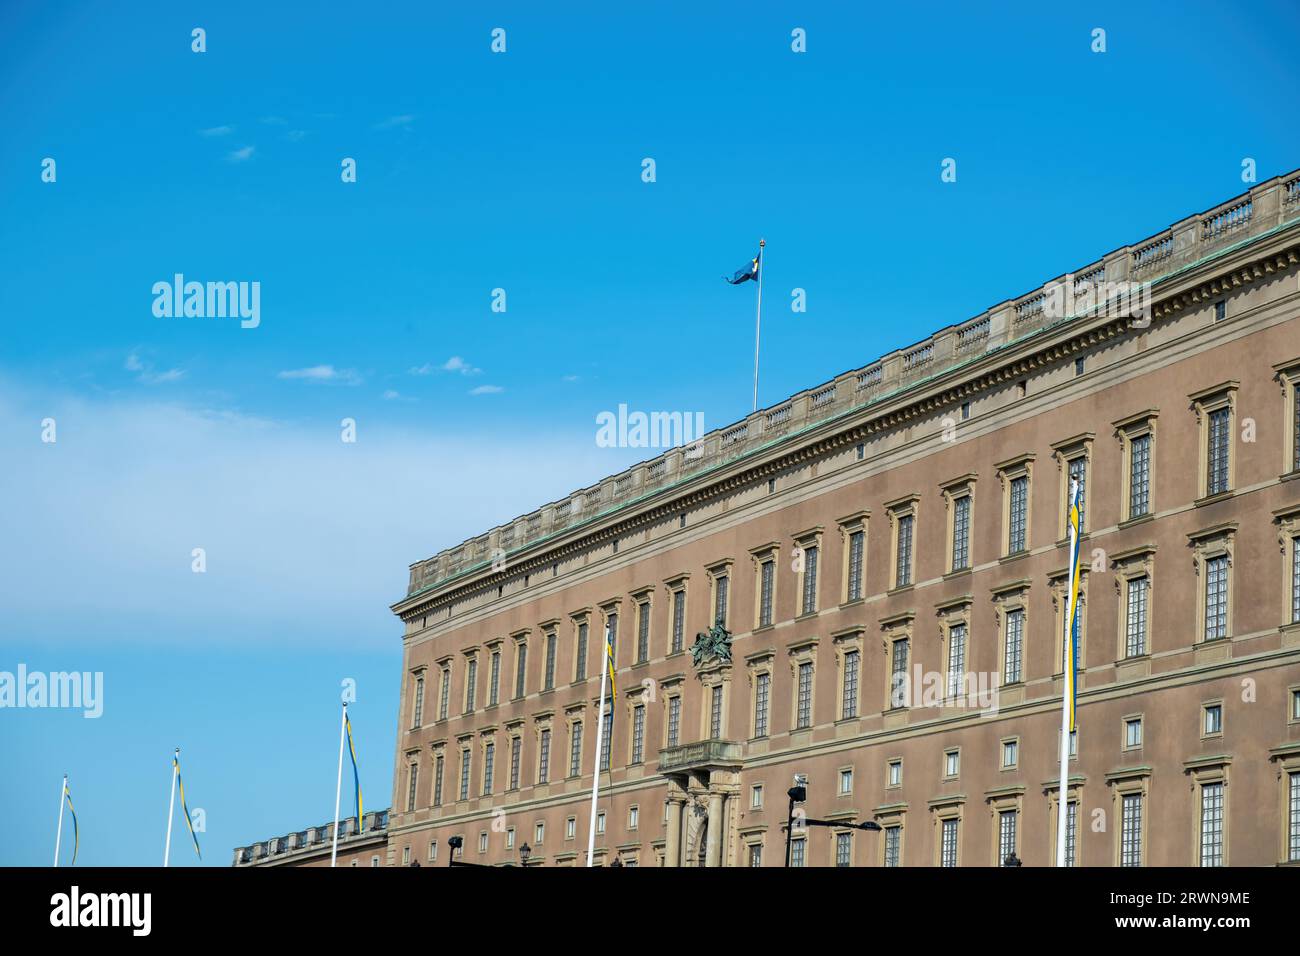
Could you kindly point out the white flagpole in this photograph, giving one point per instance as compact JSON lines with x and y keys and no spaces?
{"x":1068,"y":667}
{"x":600,"y":733}
{"x":758,"y":320}
{"x":58,"y":835}
{"x":171,"y":809}
{"x":338,"y":789}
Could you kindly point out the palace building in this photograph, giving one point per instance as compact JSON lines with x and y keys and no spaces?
{"x":886,"y":555}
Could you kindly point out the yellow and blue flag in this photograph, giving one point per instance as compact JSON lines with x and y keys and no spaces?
{"x":185,"y":809}
{"x":749,"y":272}
{"x":356,"y":776}
{"x":609,"y":661}
{"x":1071,"y":643}
{"x":76,"y":831}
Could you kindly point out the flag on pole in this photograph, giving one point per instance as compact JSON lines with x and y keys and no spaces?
{"x":1071,"y":641}
{"x":356,"y":776}
{"x":76,"y":833}
{"x":609,"y":664}
{"x":185,"y":809}
{"x":749,"y":272}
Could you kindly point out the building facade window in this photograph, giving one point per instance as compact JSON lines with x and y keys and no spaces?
{"x":464,"y":773}
{"x":1215,"y":408}
{"x":679,"y":620}
{"x":1071,"y":824}
{"x":893,"y":845}
{"x":721,"y":587}
{"x":755,"y":851}
{"x":948,"y":842}
{"x":544,"y":756}
{"x":1007,"y":825}
{"x":803,"y":711}
{"x":548,"y":679}
{"x":417,"y":710}
{"x":1216,"y":475}
{"x":1212,"y":824}
{"x":516,"y":754}
{"x":956,"y":660}
{"x":521,"y":668}
{"x":438,"y":763}
{"x":898,"y":677}
{"x":489,"y":767}
{"x":1014,"y":643}
{"x":1135,"y":614}
{"x":580,"y":651}
{"x":1014,"y":476}
{"x":810,"y":557}
{"x":844,"y":849}
{"x":575,"y":748}
{"x":605,"y":739}
{"x":674,"y":720}
{"x":797,"y":847}
{"x":1293,"y":818}
{"x":642,"y":631}
{"x":413,"y":775}
{"x":471,"y":684}
{"x":444,"y":692}
{"x":767,"y":579}
{"x":715,"y":712}
{"x":638,"y":733}
{"x":960,"y":533}
{"x":494,"y":679}
{"x":1019,"y":513}
{"x":849,"y":697}
{"x":1130,"y":853}
{"x":903,"y":551}
{"x":1216,"y":597}
{"x":857,"y":543}
{"x":762,"y":702}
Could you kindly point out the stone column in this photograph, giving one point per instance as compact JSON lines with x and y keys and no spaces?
{"x":673,"y":841}
{"x":715,"y":834}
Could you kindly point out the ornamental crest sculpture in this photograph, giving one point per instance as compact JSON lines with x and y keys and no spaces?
{"x":712,"y":645}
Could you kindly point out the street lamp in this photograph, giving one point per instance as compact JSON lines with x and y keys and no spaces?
{"x":453,"y":843}
{"x":798,"y":794}
{"x":1012,"y":860}
{"x":525,"y":852}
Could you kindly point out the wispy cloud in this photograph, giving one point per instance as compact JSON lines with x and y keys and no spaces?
{"x":395,"y":122}
{"x":147,"y":375}
{"x":570,"y":378}
{"x":453,"y":364}
{"x":240,"y":155}
{"x":217,"y":131}
{"x":486,"y":390}
{"x":295,"y":135}
{"x":322,"y":373}
{"x":391,"y":395}
{"x":273,"y":120}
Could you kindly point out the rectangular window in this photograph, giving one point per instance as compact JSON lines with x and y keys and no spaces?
{"x":720,"y":584}
{"x":446,"y":693}
{"x":1295,"y":576}
{"x":1130,"y":853}
{"x":521,"y":668}
{"x":679,"y":619}
{"x":1293,"y":821}
{"x":797,"y":852}
{"x":1015,"y":643}
{"x":893,"y":846}
{"x":756,"y":797}
{"x":856,"y":541}
{"x":489,"y":767}
{"x":1213,"y":722}
{"x":438,"y":764}
{"x":413,"y":778}
{"x":1133,"y":732}
{"x":846,"y":782}
{"x":638,"y":733}
{"x":756,"y":854}
{"x":952,"y":763}
{"x":550,"y":661}
{"x":575,"y":749}
{"x":1216,"y":474}
{"x":1017,"y":514}
{"x":948,"y":846}
{"x":417,"y":715}
{"x":956,"y":659}
{"x":516,"y":752}
{"x":1212,"y":824}
{"x":494,"y":679}
{"x":1010,"y":754}
{"x":767,"y":574}
{"x":844,"y":849}
{"x":643,"y":632}
{"x":1079,"y":473}
{"x":606,"y":734}
{"x":464,"y":774}
{"x":849,"y":700}
{"x":570,"y":828}
{"x":809,"y":580}
{"x":1007,"y":820}
{"x":894,"y":774}
{"x":715,"y":712}
{"x":580,"y":657}
{"x":804,"y":707}
{"x":1216,"y":597}
{"x":903,"y":567}
{"x":1139,"y":476}
{"x":961,"y":533}
{"x":898,"y":674}
{"x":1135,"y":624}
{"x":762,"y":696}
{"x":1071,"y":821}
{"x":674,"y":720}
{"x":471,"y":684}
{"x":544,"y":757}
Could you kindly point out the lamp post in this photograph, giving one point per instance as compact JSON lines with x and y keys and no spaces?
{"x":453,"y":844}
{"x":1012,"y":860}
{"x":525,"y":852}
{"x":798,"y":794}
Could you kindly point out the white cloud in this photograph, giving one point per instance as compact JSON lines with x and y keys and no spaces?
{"x":240,"y":155}
{"x":453,"y":364}
{"x":217,"y":131}
{"x":322,"y":373}
{"x":486,"y":390}
{"x":390,"y":395}
{"x":393,"y":122}
{"x":307,"y":538}
{"x":145,"y":373}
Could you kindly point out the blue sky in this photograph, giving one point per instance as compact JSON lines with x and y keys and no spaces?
{"x":477,"y":171}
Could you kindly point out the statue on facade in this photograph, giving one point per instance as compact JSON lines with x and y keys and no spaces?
{"x":713,"y":644}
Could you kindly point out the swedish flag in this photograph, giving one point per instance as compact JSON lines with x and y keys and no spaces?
{"x":185,"y":809}
{"x":356,"y":776}
{"x":749,"y":272}
{"x":1071,"y":640}
{"x":76,"y":831}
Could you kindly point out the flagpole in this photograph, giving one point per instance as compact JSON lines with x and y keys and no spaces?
{"x":1067,"y":684}
{"x":58,"y":835}
{"x":600,"y":733}
{"x":338,"y":789}
{"x":171,"y":808}
{"x":758,"y":320}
